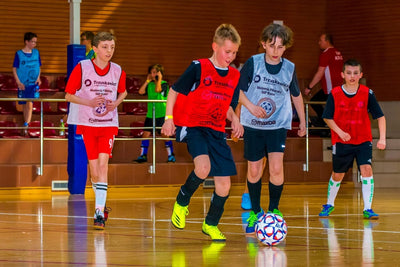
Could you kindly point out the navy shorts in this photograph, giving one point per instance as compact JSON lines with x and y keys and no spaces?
{"x":258,"y":143}
{"x":343,"y":156}
{"x":149,"y":123}
{"x":29,"y":92}
{"x":206,"y":141}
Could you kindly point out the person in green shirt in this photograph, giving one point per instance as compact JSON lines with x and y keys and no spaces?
{"x":87,"y":39}
{"x":156,"y":89}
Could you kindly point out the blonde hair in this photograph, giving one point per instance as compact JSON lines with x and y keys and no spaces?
{"x":226,"y":32}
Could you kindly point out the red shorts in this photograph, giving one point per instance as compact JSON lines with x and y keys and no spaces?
{"x":97,"y":140}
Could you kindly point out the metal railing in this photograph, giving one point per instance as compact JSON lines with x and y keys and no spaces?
{"x":154,"y":138}
{"x":306,"y":166}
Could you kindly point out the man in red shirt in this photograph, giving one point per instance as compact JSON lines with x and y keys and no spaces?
{"x":329,"y":73}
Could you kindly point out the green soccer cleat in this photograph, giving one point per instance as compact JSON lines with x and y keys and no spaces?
{"x":213,"y":232}
{"x":277,"y":212}
{"x":252,"y":220}
{"x":179,"y":214}
{"x":326,"y":210}
{"x":370,"y":215}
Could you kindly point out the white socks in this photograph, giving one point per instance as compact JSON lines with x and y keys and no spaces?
{"x":101,"y":196}
{"x":333,"y":189}
{"x":367,"y":191}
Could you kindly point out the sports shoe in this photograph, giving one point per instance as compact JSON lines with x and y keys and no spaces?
{"x":179,"y":214}
{"x":370,"y":215}
{"x":141,"y":159}
{"x":277,"y":212}
{"x":213,"y":232}
{"x":25,"y":129}
{"x":171,"y":158}
{"x":106,"y":211}
{"x":252,"y":220}
{"x":99,"y":223}
{"x":326,"y":210}
{"x":246,"y":203}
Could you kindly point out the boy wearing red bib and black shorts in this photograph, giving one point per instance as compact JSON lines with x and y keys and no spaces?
{"x":346,"y":113}
{"x":198,"y":105}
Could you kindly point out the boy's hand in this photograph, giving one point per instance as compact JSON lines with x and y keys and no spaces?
{"x":344,"y":136}
{"x":381,"y":144}
{"x":237,"y":130}
{"x":110,"y":105}
{"x":168,"y":128}
{"x":258,"y":111}
{"x":159,"y":76}
{"x":97,"y":101}
{"x":21,"y":86}
{"x":149,"y":77}
{"x":302,"y":130}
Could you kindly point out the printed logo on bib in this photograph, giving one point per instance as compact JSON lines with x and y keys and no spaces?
{"x":101,"y":109}
{"x":207,"y":81}
{"x":217,"y":112}
{"x":88,"y":82}
{"x":257,"y":78}
{"x":267,"y":104}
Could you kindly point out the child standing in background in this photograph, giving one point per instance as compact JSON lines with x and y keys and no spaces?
{"x":26,"y":71}
{"x":156,"y":89}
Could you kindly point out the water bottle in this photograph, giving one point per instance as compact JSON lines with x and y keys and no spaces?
{"x":36,"y":95}
{"x":62,"y":126}
{"x":20,"y":93}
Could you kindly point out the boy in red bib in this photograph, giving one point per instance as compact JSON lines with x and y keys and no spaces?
{"x":95,"y":89}
{"x":346,"y":114}
{"x":198,"y":105}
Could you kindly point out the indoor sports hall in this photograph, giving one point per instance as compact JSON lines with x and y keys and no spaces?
{"x":46,"y":217}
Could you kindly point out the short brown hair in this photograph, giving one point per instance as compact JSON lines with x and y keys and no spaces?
{"x":157,"y":67}
{"x":273,"y":30}
{"x":102,"y":36}
{"x":226,"y":32}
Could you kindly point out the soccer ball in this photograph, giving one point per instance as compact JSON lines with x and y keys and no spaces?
{"x":271,"y":229}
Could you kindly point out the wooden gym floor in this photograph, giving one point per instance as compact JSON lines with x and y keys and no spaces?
{"x":43,"y":228}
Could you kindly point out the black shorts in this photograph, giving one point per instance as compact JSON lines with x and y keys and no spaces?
{"x":343,"y":156}
{"x":149,"y":123}
{"x":258,"y":143}
{"x":206,"y":141}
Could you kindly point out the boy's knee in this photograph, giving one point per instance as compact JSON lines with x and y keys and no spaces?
{"x":366,"y":170}
{"x":202,"y":171}
{"x":337,"y":177}
{"x":254,"y":171}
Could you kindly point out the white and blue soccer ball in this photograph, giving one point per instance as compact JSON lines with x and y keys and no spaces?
{"x":271,"y":229}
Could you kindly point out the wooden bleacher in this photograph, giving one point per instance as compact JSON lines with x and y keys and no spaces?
{"x":21,"y":157}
